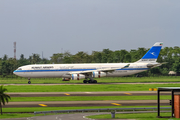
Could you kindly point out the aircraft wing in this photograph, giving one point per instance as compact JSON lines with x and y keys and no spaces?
{"x":155,"y":65}
{"x":102,"y":70}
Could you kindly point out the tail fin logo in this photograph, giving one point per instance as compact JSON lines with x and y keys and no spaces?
{"x":153,"y":53}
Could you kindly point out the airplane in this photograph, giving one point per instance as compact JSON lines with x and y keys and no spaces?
{"x":91,"y":70}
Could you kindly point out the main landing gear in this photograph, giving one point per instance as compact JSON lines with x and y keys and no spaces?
{"x":89,"y":81}
{"x":29,"y":82}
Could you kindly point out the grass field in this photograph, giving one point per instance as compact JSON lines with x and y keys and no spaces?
{"x":138,"y":116}
{"x":100,"y":80}
{"x":16,"y":115}
{"x":82,"y":88}
{"x":86,"y":88}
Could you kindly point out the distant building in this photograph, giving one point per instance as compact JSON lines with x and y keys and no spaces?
{"x":174,"y":73}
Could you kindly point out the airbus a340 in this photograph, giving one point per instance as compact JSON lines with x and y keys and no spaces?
{"x":90,"y":71}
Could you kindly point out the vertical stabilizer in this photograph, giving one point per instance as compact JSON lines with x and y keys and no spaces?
{"x":152,"y":54}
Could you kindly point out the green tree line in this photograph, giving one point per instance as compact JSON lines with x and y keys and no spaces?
{"x":171,"y":55}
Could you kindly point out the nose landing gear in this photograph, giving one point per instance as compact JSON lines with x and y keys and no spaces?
{"x":29,"y":82}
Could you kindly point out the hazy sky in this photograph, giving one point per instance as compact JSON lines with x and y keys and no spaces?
{"x":86,"y":25}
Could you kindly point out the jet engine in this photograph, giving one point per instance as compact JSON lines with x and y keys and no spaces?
{"x":98,"y":74}
{"x":77,"y":76}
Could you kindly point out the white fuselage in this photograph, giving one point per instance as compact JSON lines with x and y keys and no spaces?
{"x":62,"y":70}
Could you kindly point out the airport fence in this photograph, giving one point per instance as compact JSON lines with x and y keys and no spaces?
{"x":100,"y":110}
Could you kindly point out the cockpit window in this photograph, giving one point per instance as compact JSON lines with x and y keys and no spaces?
{"x":19,"y":69}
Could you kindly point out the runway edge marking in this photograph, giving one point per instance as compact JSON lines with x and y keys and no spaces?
{"x":66,"y":94}
{"x":128,"y":93}
{"x":43,"y":105}
{"x":116,"y":104}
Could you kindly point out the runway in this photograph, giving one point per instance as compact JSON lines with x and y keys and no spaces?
{"x":87,"y":103}
{"x":55,"y":94}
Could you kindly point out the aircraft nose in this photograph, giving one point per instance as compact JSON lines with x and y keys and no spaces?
{"x":15,"y":72}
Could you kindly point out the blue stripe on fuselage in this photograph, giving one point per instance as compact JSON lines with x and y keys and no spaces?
{"x":68,"y":70}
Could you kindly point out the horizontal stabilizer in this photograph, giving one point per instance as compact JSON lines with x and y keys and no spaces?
{"x":155,"y":65}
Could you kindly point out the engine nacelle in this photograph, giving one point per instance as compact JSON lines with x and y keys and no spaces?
{"x":98,"y":74}
{"x":77,"y":76}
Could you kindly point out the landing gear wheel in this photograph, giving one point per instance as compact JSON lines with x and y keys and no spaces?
{"x":95,"y":81}
{"x":90,"y":81}
{"x":29,"y":82}
{"x":85,"y":81}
